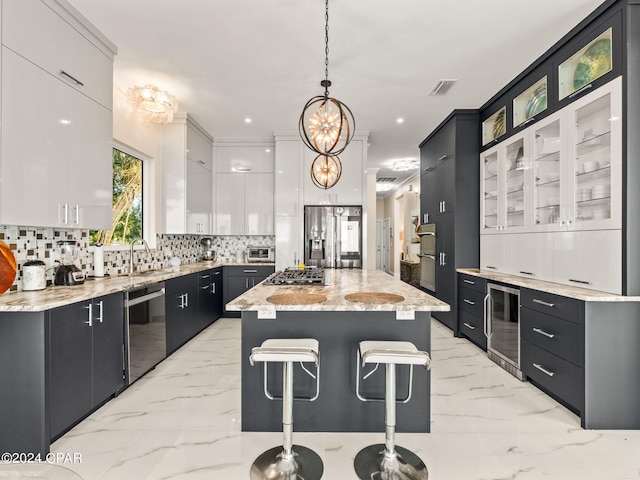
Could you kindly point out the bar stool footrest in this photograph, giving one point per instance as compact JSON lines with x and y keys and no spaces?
{"x":274,"y":465}
{"x":372,"y":463}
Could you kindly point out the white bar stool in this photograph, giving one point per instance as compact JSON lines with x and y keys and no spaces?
{"x":288,"y":462}
{"x":389,"y":461}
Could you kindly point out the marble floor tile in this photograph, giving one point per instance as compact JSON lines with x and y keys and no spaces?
{"x":182,"y":421}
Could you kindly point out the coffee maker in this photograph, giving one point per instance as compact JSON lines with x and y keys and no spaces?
{"x":67,"y":273}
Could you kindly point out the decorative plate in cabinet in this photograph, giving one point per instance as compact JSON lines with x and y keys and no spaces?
{"x":586,"y":65}
{"x":495,"y":126}
{"x":530,"y":102}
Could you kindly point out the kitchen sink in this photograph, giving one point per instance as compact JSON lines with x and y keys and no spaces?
{"x":296,"y":298}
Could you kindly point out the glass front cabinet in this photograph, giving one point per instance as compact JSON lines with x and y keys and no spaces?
{"x":563,"y":173}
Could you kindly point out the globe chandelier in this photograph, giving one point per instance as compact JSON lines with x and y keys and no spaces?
{"x":326,"y":127}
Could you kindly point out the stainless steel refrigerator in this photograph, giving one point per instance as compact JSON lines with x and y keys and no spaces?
{"x":333,"y":236}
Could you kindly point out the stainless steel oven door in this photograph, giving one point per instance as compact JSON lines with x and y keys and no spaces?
{"x":427,"y":235}
{"x":428,"y":271}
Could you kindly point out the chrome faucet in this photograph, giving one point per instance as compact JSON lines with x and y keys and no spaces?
{"x":133,"y":242}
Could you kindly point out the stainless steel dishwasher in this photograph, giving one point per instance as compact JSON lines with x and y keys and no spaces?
{"x":146,"y":342}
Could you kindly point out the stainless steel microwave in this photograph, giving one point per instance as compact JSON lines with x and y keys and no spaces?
{"x":259,"y":254}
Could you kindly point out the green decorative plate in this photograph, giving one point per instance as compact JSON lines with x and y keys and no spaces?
{"x":593,"y":63}
{"x":499,"y":126}
{"x":537,"y":103}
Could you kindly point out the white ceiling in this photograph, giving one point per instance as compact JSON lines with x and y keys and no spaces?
{"x":226,"y":60}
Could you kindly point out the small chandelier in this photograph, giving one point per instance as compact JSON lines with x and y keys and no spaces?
{"x":326,"y":125}
{"x":153,"y":104}
{"x":326,"y":171}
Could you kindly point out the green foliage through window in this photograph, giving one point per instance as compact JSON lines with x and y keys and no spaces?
{"x":127,"y":202}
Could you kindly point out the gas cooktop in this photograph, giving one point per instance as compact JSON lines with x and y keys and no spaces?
{"x":297,"y":276}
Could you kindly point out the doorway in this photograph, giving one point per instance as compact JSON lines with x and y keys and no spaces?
{"x":386,"y":245}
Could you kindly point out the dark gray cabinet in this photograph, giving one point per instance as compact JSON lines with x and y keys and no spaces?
{"x":238,"y":279}
{"x":86,"y":358}
{"x":471,"y":293}
{"x":181,"y":310}
{"x":449,"y":197}
{"x":209,"y":296}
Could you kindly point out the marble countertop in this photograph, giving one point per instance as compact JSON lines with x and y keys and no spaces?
{"x":340,"y":283}
{"x":550,"y":287}
{"x":58,"y":296}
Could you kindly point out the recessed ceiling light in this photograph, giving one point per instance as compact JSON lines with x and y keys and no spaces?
{"x":268,"y":150}
{"x":400,"y":120}
{"x":247,"y":120}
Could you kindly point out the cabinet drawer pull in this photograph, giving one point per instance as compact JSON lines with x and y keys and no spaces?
{"x":216,"y":273}
{"x":206,"y":287}
{"x":491,"y":267}
{"x":90,"y":321}
{"x":470,"y":327}
{"x":469,"y":282}
{"x":204,"y":276}
{"x":250,"y":271}
{"x":541,"y":302}
{"x":586,"y":87}
{"x":542,"y":332}
{"x":583,"y":282}
{"x":543,"y":370}
{"x":528,"y":273}
{"x":469,"y":301}
{"x":442,"y":157}
{"x":78,"y":82}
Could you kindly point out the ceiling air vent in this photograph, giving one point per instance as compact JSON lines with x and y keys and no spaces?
{"x":442,"y":87}
{"x":386,"y":179}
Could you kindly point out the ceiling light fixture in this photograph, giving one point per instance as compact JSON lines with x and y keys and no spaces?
{"x":153,"y":104}
{"x":405,"y":164}
{"x":326,"y":124}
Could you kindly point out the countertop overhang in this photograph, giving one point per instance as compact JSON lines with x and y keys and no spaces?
{"x":341,"y":282}
{"x":59,"y":296}
{"x":550,"y":287}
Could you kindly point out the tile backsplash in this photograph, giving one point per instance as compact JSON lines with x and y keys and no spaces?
{"x":28,"y":243}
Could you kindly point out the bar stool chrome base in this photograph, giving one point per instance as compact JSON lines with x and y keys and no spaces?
{"x":274,"y":464}
{"x":375,"y":463}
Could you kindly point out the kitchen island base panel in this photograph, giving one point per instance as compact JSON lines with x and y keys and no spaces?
{"x":337,"y":409}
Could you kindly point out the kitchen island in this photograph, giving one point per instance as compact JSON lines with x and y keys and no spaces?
{"x":353,"y":306}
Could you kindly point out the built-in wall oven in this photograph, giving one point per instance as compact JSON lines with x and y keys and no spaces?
{"x":146,"y":342}
{"x":427,"y":234}
{"x":502,"y":327}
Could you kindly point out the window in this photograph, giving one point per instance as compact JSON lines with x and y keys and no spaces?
{"x":127,"y":217}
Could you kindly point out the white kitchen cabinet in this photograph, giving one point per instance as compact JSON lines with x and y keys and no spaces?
{"x":494,"y":253}
{"x":258,"y":204}
{"x":241,"y":158}
{"x":288,"y":166}
{"x":244,"y":204}
{"x":531,"y":255}
{"x":47,"y":35}
{"x":199,"y":147}
{"x":589,"y":259}
{"x":187,"y":182}
{"x":56,"y":151}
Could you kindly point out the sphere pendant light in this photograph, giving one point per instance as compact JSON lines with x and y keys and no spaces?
{"x":326,"y":126}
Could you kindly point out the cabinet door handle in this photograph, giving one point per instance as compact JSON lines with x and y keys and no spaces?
{"x":542,"y":332}
{"x":444,"y":206}
{"x":486,"y":312}
{"x":583,"y":282}
{"x":425,"y":218}
{"x":78,"y":82}
{"x":216,"y":273}
{"x":66,"y":213}
{"x":90,"y":321}
{"x":101,"y":306}
{"x":213,"y":288}
{"x":469,"y":301}
{"x":470,"y":327}
{"x":469,"y":282}
{"x":543,"y":370}
{"x":577,"y":92}
{"x":528,"y":273}
{"x":246,"y":283}
{"x":444,"y":259}
{"x":442,"y":157}
{"x":77,"y":214}
{"x":182,"y":301}
{"x":250,"y":271}
{"x":186,"y":299}
{"x":541,"y":302}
